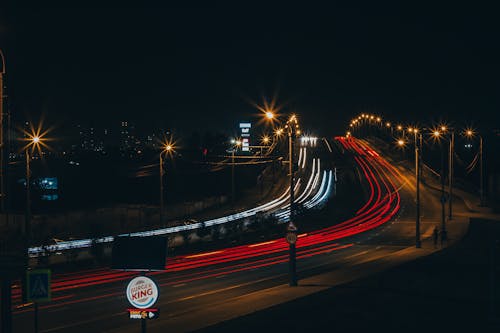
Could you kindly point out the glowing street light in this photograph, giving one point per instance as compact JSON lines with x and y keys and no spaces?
{"x":470,"y":134}
{"x":293,"y":129}
{"x":237,"y":144}
{"x":168,"y":148}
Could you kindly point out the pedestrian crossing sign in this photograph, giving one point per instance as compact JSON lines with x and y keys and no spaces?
{"x":38,"y":285}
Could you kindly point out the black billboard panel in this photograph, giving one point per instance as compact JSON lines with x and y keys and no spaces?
{"x":139,"y":253}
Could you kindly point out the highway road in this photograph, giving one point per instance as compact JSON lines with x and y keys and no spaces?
{"x":201,"y":289}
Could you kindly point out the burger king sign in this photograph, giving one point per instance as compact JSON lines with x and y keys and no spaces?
{"x":142,"y":292}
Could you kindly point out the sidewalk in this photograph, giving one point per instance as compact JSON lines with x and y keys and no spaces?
{"x":433,"y":291}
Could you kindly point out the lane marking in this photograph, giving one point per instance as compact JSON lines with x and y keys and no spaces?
{"x":357,"y":254}
{"x":203,"y":254}
{"x":207,"y":293}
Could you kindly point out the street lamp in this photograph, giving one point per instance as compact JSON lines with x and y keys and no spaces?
{"x":236,"y":144}
{"x":4,"y":155}
{"x":451,"y":149}
{"x":437,"y":136}
{"x":418,"y":158}
{"x":292,"y":127}
{"x":33,"y":144}
{"x":470,"y":134}
{"x":168,"y":148}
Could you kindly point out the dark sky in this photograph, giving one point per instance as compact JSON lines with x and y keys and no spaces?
{"x":190,"y":68}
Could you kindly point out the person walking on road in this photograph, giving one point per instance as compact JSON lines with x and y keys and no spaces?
{"x":435,"y":236}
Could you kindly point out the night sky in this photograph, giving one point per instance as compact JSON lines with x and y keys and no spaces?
{"x":193,"y":68}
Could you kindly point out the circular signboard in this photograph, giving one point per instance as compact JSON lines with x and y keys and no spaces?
{"x":142,"y":292}
{"x":291,"y":237}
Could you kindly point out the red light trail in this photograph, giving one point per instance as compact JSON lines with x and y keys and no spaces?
{"x":382,"y":205}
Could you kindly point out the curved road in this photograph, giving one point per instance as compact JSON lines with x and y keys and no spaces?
{"x":204,"y":288}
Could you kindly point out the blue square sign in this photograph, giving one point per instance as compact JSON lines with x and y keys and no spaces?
{"x":38,"y":285}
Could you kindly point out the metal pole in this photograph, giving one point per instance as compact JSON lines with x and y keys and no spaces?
{"x":161,"y":191}
{"x":421,"y":154}
{"x":450,"y":175}
{"x":6,"y":289}
{"x":2,"y":147}
{"x":443,"y":198}
{"x":27,"y":221}
{"x":292,"y":251}
{"x":493,"y":295}
{"x":232,"y":177}
{"x":417,"y":177}
{"x":481,"y":181}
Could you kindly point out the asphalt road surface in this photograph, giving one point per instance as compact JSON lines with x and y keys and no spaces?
{"x":203,"y":289}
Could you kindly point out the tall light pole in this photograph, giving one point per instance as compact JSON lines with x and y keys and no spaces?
{"x":167,"y":149}
{"x":6,"y":282}
{"x":437,"y":135}
{"x":4,"y":154}
{"x":292,"y":127}
{"x":481,"y":181}
{"x":236,"y":144}
{"x":450,"y":174}
{"x":418,"y":243}
{"x":470,"y":134}
{"x":34,"y":143}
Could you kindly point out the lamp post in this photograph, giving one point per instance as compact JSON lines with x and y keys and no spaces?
{"x":470,"y":134}
{"x":237,"y":143}
{"x":292,"y":126}
{"x":6,"y":282}
{"x":34,"y":143}
{"x":4,"y":155}
{"x":27,"y":219}
{"x":415,"y":132}
{"x":437,"y":135}
{"x":481,"y":181}
{"x":450,"y":175}
{"x":167,"y":149}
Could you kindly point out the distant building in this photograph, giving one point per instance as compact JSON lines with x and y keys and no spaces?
{"x":90,"y":139}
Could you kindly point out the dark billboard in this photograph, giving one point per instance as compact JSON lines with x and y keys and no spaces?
{"x":139,"y":253}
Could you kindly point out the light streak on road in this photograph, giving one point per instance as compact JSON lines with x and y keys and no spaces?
{"x":275,"y":205}
{"x":384,"y":203}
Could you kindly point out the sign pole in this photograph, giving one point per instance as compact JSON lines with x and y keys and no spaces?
{"x":143,"y":320}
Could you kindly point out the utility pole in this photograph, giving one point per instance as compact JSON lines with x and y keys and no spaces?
{"x":443,"y":199}
{"x":291,"y":226}
{"x":417,"y":205}
{"x":6,"y":279}
{"x":4,"y":154}
{"x":481,"y":181}
{"x":450,"y":175}
{"x":232,"y":176}
{"x":161,"y":190}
